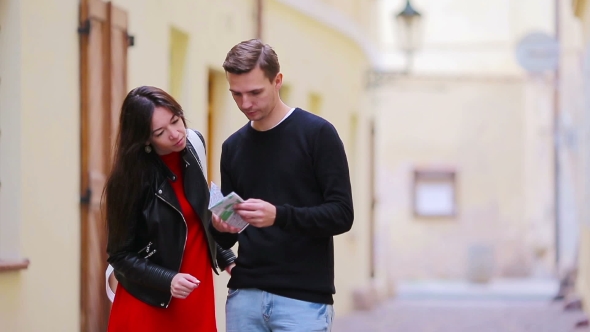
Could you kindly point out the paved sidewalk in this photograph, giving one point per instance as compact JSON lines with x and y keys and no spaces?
{"x":503,"y":305}
{"x":462,"y":316}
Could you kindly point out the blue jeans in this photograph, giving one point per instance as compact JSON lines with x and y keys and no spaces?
{"x":253,"y":310}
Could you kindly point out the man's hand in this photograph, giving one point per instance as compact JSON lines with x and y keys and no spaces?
{"x":182,"y":285}
{"x":257,"y":212}
{"x":221,"y":226}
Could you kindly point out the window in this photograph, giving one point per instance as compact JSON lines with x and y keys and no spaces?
{"x":314,"y":102}
{"x":179,"y":43}
{"x":434,"y":193}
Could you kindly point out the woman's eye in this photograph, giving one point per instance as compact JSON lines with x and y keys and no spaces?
{"x":159,"y":134}
{"x":175,"y":121}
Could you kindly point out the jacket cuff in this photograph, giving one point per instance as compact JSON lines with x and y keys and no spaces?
{"x":224,"y":257}
{"x":164,"y":281}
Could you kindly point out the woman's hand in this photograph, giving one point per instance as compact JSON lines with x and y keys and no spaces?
{"x":221,"y":226}
{"x":182,"y":285}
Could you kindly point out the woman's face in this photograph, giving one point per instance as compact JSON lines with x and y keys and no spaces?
{"x":168,"y":132}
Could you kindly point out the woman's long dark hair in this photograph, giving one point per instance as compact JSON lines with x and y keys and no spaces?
{"x":133,"y":168}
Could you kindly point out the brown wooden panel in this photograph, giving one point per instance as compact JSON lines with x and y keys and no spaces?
{"x":102,"y":84}
{"x":95,"y":9}
{"x":118,"y":18}
{"x":94,"y":306}
{"x":118,"y":50}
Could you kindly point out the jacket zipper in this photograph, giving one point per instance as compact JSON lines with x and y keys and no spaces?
{"x":147,"y":250}
{"x":185,"y":238}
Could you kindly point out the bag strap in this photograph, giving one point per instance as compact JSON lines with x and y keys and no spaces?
{"x":198,"y":142}
{"x":110,"y":293}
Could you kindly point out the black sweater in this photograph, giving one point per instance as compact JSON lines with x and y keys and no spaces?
{"x":300,"y":167}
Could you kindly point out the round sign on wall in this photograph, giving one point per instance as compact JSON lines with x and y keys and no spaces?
{"x":538,"y":52}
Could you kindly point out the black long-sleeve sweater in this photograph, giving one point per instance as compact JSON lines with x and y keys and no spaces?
{"x":300,"y":167}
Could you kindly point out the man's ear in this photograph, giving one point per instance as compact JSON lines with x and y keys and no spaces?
{"x":279,"y":80}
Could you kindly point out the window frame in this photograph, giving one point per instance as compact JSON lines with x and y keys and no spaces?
{"x":434,"y":175}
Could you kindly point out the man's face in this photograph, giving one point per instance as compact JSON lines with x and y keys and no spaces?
{"x":255,"y":95}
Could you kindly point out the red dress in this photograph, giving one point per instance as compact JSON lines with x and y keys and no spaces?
{"x":196,"y":312}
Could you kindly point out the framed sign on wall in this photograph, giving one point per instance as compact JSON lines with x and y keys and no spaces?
{"x":434,"y":192}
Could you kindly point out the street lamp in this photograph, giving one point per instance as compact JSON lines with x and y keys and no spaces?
{"x":409,"y":31}
{"x":409,"y":35}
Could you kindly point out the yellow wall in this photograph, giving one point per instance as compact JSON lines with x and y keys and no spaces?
{"x":39,"y":120}
{"x":320,"y":61}
{"x":460,"y":124}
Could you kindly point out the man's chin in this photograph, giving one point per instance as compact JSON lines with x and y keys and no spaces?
{"x":252,"y":116}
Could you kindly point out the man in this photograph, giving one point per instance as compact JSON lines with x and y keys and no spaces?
{"x":290,"y":167}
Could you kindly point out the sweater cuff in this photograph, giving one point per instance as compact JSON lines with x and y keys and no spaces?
{"x":281,"y":216}
{"x":214,"y":232}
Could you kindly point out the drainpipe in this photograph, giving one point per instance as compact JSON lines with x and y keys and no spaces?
{"x":259,"y":8}
{"x":556,"y":141}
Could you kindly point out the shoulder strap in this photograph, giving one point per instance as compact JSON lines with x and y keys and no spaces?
{"x":110,"y":293}
{"x":198,"y":142}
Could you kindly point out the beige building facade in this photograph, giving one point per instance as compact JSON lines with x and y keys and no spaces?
{"x":464,"y":144}
{"x":581,"y":9}
{"x":50,"y":259}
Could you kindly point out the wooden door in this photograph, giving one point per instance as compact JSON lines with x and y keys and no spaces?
{"x":211,"y":122}
{"x":103,"y":58}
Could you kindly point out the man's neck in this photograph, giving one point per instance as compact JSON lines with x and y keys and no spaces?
{"x":275,"y":116}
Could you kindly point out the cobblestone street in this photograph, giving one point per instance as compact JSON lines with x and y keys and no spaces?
{"x":462,"y":316}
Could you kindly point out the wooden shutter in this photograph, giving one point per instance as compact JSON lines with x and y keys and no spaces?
{"x":103,"y":85}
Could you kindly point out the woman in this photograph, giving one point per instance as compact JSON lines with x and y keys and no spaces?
{"x":157,"y":217}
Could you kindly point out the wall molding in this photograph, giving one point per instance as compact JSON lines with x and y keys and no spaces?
{"x":326,"y":14}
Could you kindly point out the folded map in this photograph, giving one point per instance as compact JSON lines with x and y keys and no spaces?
{"x":223,"y":206}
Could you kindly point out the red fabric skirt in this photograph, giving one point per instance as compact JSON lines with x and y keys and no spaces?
{"x":196,"y":313}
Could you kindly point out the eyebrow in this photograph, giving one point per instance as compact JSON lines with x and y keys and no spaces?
{"x":172,"y":118}
{"x":255,"y":90}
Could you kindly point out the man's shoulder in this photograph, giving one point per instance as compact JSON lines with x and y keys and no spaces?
{"x":310,"y":120}
{"x":237,"y":135}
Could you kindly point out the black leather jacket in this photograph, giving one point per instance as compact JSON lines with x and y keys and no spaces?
{"x":147,"y":262}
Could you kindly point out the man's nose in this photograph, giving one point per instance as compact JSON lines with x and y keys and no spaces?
{"x":246,"y":103}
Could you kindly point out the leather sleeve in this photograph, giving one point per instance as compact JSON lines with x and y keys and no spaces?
{"x":141,"y":270}
{"x":224,"y":257}
{"x":126,"y":261}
